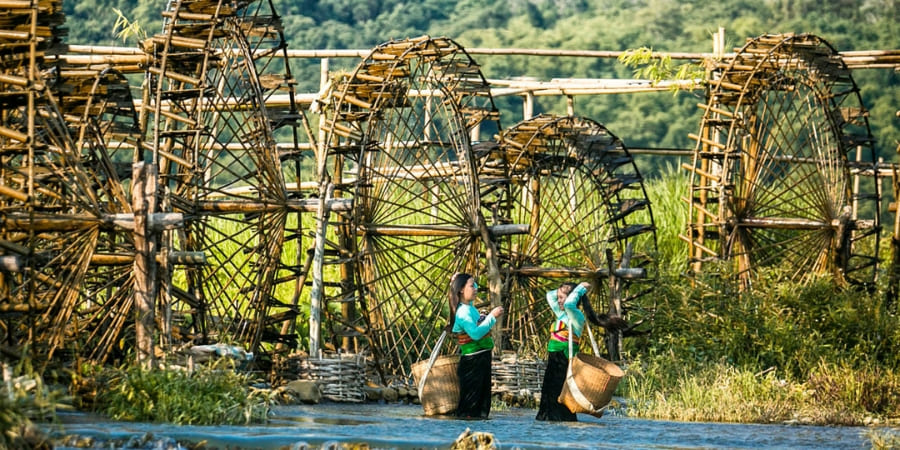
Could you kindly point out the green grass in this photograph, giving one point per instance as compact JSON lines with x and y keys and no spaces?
{"x":883,"y":439}
{"x":662,"y":387}
{"x":207,"y":396}
{"x":24,"y":398}
{"x":811,"y":353}
{"x":666,"y":195}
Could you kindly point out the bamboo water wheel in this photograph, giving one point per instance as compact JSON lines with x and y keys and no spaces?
{"x":398,"y":143}
{"x":578,"y":188}
{"x":771,"y":183}
{"x":63,"y":206}
{"x":213,"y":140}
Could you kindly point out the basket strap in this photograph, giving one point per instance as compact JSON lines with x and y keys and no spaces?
{"x":593,"y":342}
{"x":574,"y":391}
{"x":434,"y":354}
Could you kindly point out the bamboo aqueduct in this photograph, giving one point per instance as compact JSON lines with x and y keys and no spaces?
{"x":218,"y":202}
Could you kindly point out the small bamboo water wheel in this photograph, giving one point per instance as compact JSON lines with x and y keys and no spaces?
{"x":589,"y":217}
{"x":398,"y":143}
{"x":771,"y":183}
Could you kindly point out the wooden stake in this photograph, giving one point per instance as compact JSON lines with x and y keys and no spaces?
{"x":143,"y":194}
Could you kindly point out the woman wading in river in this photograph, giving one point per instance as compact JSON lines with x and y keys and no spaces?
{"x":475,"y":345}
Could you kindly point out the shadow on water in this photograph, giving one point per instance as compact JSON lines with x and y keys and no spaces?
{"x":327,"y":420}
{"x":403,"y":427}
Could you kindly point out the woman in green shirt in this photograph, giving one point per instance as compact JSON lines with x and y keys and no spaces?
{"x":568,"y":324}
{"x":475,"y":345}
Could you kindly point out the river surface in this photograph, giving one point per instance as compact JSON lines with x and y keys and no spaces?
{"x":398,"y":426}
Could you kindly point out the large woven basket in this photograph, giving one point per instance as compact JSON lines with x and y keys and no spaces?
{"x":595,"y":379}
{"x":440,"y":395}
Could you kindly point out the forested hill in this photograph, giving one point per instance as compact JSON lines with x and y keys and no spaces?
{"x":641,"y":120}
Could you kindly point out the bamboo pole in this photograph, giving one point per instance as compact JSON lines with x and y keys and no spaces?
{"x":614,"y":341}
{"x":299,"y":205}
{"x":71,"y":222}
{"x":316,"y":294}
{"x":857,"y":58}
{"x":893,"y":290}
{"x":528,"y":109}
{"x":441,"y":230}
{"x":143,"y":198}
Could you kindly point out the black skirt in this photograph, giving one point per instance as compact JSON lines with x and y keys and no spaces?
{"x":474,"y":373}
{"x":554,"y":377}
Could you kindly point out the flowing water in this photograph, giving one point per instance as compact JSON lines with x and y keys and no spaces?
{"x":333,"y":425}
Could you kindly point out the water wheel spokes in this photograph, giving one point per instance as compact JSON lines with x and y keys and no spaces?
{"x":109,"y":140}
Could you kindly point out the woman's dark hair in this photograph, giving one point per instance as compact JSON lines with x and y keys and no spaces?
{"x":569,"y":285}
{"x":589,"y":312}
{"x":457,"y":283}
{"x":601,"y":320}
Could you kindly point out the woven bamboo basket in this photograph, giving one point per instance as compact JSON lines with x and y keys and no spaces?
{"x":440,"y":395}
{"x":341,"y":377}
{"x":511,"y":374}
{"x":595,"y":379}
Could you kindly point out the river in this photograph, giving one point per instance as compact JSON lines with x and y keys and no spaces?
{"x":398,"y":426}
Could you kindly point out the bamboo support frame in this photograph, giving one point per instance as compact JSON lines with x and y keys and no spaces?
{"x":860,"y":59}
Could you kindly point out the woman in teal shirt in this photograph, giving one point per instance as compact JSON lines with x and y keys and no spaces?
{"x":475,"y":345}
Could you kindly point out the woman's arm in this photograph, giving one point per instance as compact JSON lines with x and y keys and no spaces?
{"x":468,"y":322}
{"x":573,"y":314}
{"x":554,"y":303}
{"x":572,"y":300}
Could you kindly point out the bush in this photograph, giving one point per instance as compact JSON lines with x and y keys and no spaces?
{"x":24,"y":398}
{"x":834,"y":350}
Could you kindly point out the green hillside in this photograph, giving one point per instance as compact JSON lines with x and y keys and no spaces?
{"x":641,"y":120}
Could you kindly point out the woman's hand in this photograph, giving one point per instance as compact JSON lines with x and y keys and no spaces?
{"x":496,"y":312}
{"x":585,"y":285}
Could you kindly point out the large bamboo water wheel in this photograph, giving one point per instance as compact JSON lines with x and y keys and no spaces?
{"x":213,"y":140}
{"x":398,"y":143}
{"x":577,"y":187}
{"x":771,"y":182}
{"x":66,"y":216}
